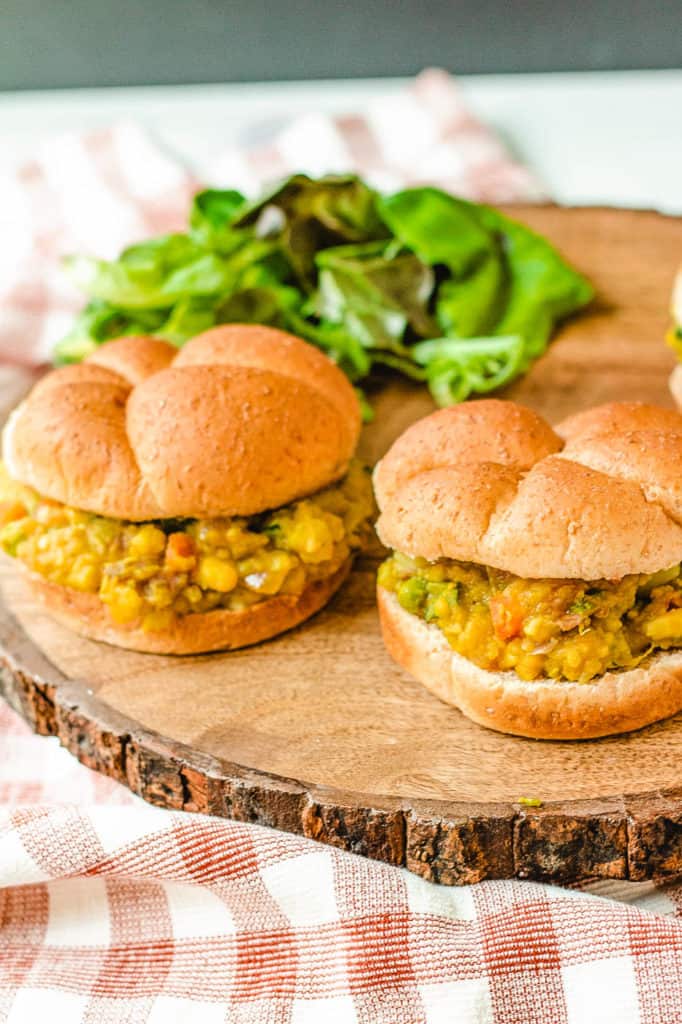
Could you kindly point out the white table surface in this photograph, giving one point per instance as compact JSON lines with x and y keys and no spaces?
{"x":598,"y":137}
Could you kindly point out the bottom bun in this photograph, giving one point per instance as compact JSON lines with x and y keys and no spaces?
{"x":675,"y":385}
{"x":196,"y":633}
{"x":543,"y":709}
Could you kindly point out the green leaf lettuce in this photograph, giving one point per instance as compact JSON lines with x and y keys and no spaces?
{"x":444,"y":291}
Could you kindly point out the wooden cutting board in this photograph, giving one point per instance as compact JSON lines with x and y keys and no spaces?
{"x":319,"y":733}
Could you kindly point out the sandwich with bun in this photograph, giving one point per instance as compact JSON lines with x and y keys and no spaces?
{"x":186,"y":501}
{"x":534,"y":580}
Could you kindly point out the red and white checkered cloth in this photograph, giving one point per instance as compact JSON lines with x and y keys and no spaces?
{"x":114,"y":911}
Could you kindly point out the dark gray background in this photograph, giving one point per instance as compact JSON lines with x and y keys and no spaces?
{"x":53,"y":43}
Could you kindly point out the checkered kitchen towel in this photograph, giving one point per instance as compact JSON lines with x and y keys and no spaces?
{"x":111,"y":910}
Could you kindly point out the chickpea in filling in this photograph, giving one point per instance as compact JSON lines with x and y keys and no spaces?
{"x":563,"y":629}
{"x":149,"y":573}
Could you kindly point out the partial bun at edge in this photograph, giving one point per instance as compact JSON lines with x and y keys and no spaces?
{"x":196,"y":633}
{"x":543,"y":709}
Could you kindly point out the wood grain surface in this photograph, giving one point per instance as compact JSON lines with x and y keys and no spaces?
{"x":319,"y":733}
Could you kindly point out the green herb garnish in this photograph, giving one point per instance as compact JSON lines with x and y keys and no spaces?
{"x":583,"y":606}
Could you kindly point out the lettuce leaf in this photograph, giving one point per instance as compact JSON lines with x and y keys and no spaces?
{"x":456,"y":368}
{"x":451,"y":293}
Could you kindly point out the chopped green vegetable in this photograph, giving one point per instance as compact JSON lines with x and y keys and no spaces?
{"x":411,"y":593}
{"x":440,"y":596}
{"x":444,"y":291}
{"x":583,"y":606}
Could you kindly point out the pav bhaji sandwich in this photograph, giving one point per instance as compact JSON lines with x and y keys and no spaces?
{"x":535,"y":576}
{"x":187,"y":501}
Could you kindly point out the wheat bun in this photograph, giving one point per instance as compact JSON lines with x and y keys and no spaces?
{"x":243,"y":419}
{"x":599,"y":496}
{"x":676,"y":310}
{"x":197,"y":633}
{"x":543,"y":709}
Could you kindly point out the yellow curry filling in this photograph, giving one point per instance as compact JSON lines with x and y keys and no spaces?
{"x":563,"y":629}
{"x":149,"y":573}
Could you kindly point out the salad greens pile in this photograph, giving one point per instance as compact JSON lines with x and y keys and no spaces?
{"x":445,"y":291}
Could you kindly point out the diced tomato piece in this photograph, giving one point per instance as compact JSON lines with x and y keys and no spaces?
{"x":180,"y":553}
{"x":181,"y":544}
{"x":11,"y":510}
{"x":507,"y":616}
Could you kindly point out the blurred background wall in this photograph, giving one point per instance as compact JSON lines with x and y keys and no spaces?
{"x":63,"y":43}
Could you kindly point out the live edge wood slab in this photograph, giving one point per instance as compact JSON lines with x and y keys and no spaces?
{"x":318,"y":733}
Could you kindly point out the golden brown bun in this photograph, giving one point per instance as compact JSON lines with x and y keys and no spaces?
{"x":243,"y":419}
{"x":492,"y":483}
{"x":191,"y":634}
{"x":543,"y":709}
{"x":473,"y":433}
{"x":134,"y":357}
{"x":614,"y":418}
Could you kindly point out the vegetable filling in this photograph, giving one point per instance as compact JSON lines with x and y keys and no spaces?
{"x":149,"y":573}
{"x":563,"y":629}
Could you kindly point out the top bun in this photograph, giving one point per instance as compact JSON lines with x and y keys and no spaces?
{"x":490,"y":482}
{"x":242,"y":419}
